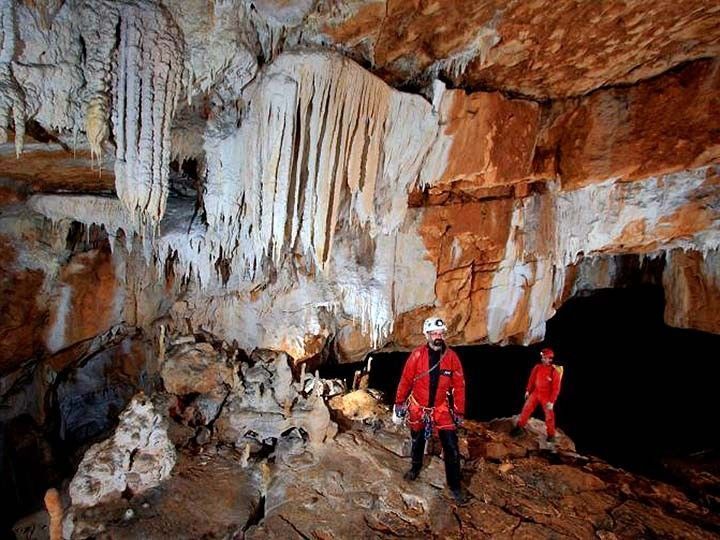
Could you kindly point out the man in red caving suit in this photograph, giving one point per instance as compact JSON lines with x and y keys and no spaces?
{"x":542,"y":389}
{"x":432,"y":395}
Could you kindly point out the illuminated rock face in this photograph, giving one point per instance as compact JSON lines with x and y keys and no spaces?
{"x":332,"y":206}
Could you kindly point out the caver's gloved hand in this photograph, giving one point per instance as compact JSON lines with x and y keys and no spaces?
{"x":458,"y":419}
{"x":399,"y":412}
{"x":549,"y":406}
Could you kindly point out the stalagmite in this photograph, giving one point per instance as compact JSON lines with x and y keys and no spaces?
{"x":53,"y":504}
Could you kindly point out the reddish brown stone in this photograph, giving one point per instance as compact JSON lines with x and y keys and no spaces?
{"x":692,"y":290}
{"x":656,"y":127}
{"x":48,"y":167}
{"x":541,"y":49}
{"x":91,"y":278}
{"x":466,"y":243}
{"x":493,"y":139}
{"x":22,"y":314}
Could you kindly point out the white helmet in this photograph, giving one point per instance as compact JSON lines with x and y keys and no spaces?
{"x":433,"y":324}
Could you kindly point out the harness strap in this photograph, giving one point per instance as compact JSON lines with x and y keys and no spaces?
{"x":416,"y":403}
{"x":427,"y":371}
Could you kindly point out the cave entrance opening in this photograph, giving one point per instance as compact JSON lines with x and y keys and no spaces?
{"x":636,"y":392}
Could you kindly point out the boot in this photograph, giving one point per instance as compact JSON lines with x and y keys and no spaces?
{"x":418,"y":450}
{"x":412,"y":474}
{"x":551,"y":439}
{"x":517,"y":431}
{"x":461,"y":498}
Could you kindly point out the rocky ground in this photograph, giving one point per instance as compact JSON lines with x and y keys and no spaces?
{"x":351,"y":486}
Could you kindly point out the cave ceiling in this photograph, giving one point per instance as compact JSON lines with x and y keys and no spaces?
{"x":293,"y":174}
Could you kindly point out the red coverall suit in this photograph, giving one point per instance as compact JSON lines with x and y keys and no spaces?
{"x":415,"y":388}
{"x":543,"y":387}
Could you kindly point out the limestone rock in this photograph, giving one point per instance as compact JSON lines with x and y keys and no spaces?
{"x":91,"y":395}
{"x":333,"y":206}
{"x":137,"y":457}
{"x":692,"y":290}
{"x":267,"y":405}
{"x":357,"y":406}
{"x":626,"y":133}
{"x":206,"y":495}
{"x":21,"y":316}
{"x":195,"y":368}
{"x":540,"y":49}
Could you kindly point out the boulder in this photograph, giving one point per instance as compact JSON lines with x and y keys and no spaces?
{"x":138,"y":456}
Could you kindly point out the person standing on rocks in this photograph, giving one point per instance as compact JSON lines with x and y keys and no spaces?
{"x":431,"y":394}
{"x":542,"y":389}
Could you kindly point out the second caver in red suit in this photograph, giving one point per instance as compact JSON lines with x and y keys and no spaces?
{"x":542,"y":389}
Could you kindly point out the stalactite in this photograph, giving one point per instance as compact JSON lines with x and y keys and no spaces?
{"x":320,"y":134}
{"x":99,"y":22}
{"x":144,"y":101}
{"x":12,"y":102}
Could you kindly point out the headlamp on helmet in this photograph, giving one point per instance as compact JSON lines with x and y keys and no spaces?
{"x":434,"y":324}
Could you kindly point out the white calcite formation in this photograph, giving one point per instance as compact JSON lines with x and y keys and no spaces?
{"x":320,"y":134}
{"x":149,"y":70}
{"x":547,"y":233}
{"x":584,"y":223}
{"x":303,"y":230}
{"x":267,"y":404}
{"x":138,"y":456}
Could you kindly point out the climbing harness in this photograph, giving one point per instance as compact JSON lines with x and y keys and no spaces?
{"x":427,"y":417}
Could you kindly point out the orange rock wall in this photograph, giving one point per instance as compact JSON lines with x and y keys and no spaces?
{"x":22,"y":312}
{"x":692,"y":290}
{"x":658,"y":126}
{"x":542,"y":49}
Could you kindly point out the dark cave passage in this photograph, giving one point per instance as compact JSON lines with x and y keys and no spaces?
{"x":635,"y":391}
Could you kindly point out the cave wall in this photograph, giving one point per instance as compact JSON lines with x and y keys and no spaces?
{"x":344,"y":192}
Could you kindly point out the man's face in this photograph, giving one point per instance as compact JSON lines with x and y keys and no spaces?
{"x":436,"y":338}
{"x":545,"y":359}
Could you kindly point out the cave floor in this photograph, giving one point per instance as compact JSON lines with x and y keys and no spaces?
{"x":352,"y":487}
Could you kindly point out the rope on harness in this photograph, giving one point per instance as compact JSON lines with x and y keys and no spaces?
{"x":427,"y":417}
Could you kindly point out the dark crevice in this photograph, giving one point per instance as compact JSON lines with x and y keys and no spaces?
{"x":39,"y":133}
{"x":294,"y":528}
{"x":257,"y":515}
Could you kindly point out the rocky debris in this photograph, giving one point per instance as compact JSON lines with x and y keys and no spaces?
{"x":33,"y":527}
{"x":201,"y":376}
{"x":137,"y":457}
{"x":352,"y":486}
{"x":207,"y":495}
{"x":267,"y":404}
{"x":540,"y":495}
{"x":358,"y":406}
